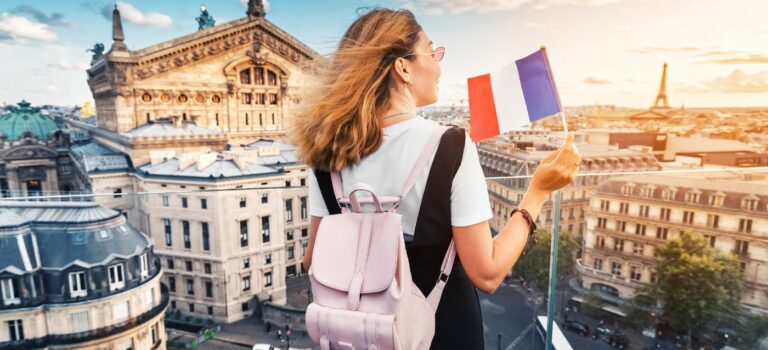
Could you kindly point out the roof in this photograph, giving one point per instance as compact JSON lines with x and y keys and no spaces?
{"x":56,"y":235}
{"x":94,"y":157}
{"x":26,"y":118}
{"x":166,"y":128}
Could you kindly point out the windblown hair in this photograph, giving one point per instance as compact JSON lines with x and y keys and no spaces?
{"x":339,"y":122}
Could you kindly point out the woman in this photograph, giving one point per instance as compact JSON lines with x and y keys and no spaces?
{"x":362,"y":122}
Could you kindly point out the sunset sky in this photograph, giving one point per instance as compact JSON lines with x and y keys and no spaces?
{"x":601,"y":51}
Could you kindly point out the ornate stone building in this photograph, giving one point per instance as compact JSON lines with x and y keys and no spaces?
{"x":34,"y":157}
{"x":241,"y":78}
{"x":77,"y":276}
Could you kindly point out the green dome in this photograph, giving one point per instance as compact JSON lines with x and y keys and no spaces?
{"x":24,"y":118}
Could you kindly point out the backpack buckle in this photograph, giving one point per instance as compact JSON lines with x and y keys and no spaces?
{"x":443,"y":277}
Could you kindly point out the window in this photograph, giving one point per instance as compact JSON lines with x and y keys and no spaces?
{"x":644,"y":209}
{"x":304,"y":232}
{"x":243,"y":202}
{"x":247,"y":99}
{"x":273,"y":101}
{"x":267,"y":279}
{"x":713,"y":220}
{"x":184,"y":202}
{"x":605,"y":205}
{"x":172,"y":284}
{"x":741,"y":248}
{"x":692,"y":196}
{"x":143,"y":266}
{"x":616,"y":268}
{"x":688,"y":217}
{"x":598,"y":264}
{"x":745,"y":225}
{"x":602,"y":222}
{"x":637,"y":248}
{"x":749,"y":204}
{"x":185,"y":231}
{"x":289,"y":210}
{"x":168,"y":234}
{"x":116,"y":277}
{"x":245,"y":76}
{"x":265,"y":229}
{"x":570,"y":213}
{"x":267,"y":259}
{"x":289,"y":236}
{"x":206,"y":236}
{"x":303,"y":248}
{"x":271,"y":78}
{"x":117,"y":193}
{"x":165,"y":201}
{"x":303,"y":182}
{"x":190,"y":286}
{"x":288,"y":183}
{"x":618,"y":245}
{"x":203,"y":203}
{"x":664,"y":214}
{"x":246,"y":283}
{"x":210,"y":310}
{"x":264,"y":198}
{"x":188,"y":264}
{"x":624,"y":208}
{"x":290,"y":253}
{"x":668,"y":194}
{"x":207,"y":268}
{"x":246,"y":263}
{"x":640,"y":229}
{"x":170,"y":263}
{"x":10,"y":291}
{"x":208,"y":289}
{"x":244,"y":233}
{"x":191,"y":307}
{"x":621,"y":226}
{"x":258,"y":76}
{"x":15,"y":330}
{"x":155,"y":335}
{"x":80,"y":322}
{"x":600,"y":241}
{"x":635,"y":273}
{"x":661,"y":232}
{"x":710,"y":240}
{"x":654,"y":277}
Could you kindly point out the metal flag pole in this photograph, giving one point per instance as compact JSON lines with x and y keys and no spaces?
{"x":556,"y":229}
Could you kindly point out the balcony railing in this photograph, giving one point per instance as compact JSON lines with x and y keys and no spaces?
{"x":94,"y":334}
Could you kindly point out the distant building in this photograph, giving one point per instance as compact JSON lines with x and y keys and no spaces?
{"x":34,"y":157}
{"x":630,"y":216}
{"x":77,"y":276}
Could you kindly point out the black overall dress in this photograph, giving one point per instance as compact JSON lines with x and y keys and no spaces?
{"x":459,"y":323}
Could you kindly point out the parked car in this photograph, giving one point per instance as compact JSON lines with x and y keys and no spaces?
{"x":619,"y":340}
{"x":602,"y":332}
{"x":576,"y":327}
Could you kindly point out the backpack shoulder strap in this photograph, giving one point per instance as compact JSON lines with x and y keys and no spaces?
{"x":421,"y":162}
{"x":326,"y":188}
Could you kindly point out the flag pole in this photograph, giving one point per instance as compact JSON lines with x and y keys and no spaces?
{"x":555,"y":243}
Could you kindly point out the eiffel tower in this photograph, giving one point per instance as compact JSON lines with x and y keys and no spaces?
{"x":661,"y":98}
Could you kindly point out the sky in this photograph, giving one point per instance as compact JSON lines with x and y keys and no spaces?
{"x":601,"y":51}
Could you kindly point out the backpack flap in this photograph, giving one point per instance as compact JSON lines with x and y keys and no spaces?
{"x":357,"y":247}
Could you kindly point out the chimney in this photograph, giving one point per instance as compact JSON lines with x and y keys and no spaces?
{"x":156,"y":157}
{"x":177,"y":121}
{"x":187,"y":159}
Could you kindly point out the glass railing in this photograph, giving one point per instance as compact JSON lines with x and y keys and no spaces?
{"x":645,"y":259}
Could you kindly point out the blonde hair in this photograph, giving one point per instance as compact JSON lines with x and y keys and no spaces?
{"x":340,"y":123}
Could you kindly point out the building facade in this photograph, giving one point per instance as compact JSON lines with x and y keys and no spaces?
{"x":630,"y":216}
{"x":77,"y":276}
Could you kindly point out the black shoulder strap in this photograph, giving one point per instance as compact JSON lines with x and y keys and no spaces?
{"x":326,"y":188}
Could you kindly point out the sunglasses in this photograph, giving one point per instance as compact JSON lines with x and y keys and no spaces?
{"x":438,"y":54}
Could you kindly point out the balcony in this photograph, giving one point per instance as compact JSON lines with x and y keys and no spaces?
{"x":95,"y":334}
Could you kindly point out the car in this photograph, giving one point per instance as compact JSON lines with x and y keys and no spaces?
{"x":263,"y":347}
{"x":576,"y":327}
{"x":602,"y":332}
{"x":619,"y":340}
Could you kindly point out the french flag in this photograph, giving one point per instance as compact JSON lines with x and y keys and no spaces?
{"x":517,"y":95}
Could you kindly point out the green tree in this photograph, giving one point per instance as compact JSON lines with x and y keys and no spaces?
{"x":593,"y":304}
{"x":534,"y":265}
{"x":696,"y":286}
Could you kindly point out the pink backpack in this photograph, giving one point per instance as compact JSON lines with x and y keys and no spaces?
{"x":364,"y":296}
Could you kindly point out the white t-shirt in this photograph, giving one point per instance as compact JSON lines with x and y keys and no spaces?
{"x":387,"y":168}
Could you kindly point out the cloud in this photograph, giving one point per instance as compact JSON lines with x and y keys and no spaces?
{"x":133,"y":15}
{"x":267,"y":5}
{"x":738,"y":82}
{"x":751,"y":59}
{"x":647,"y":50}
{"x":439,"y":7}
{"x":66,"y":65}
{"x":55,"y":19}
{"x":18,"y":30}
{"x":596,"y":81}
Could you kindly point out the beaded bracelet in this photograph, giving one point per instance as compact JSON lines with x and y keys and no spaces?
{"x":531,"y":225}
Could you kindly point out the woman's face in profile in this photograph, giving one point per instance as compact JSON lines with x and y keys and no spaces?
{"x":425,"y":72}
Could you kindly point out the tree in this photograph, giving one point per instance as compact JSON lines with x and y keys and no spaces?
{"x":593,"y":304}
{"x":754,"y":330}
{"x":695,"y":285}
{"x":534,"y":265}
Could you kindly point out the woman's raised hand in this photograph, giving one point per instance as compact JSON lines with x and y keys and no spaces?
{"x":558,"y":169}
